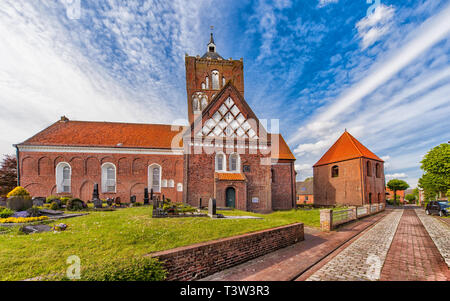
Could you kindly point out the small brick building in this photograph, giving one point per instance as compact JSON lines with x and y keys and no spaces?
{"x":349,"y":174}
{"x":225,"y":153}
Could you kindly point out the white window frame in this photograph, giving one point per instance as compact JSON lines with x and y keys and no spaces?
{"x":59,"y":172}
{"x":179,"y":187}
{"x":150,"y":177}
{"x":171,"y":183}
{"x":238,"y":163}
{"x":164,"y":183}
{"x":224,"y":162}
{"x":105,"y":185}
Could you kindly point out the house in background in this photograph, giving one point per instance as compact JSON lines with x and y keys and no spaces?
{"x":305,"y":192}
{"x":400,"y":193}
{"x":349,"y":174}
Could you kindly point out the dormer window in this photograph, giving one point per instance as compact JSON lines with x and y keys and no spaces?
{"x":212,"y":49}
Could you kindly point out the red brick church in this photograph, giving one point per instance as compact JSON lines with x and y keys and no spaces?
{"x":225,"y":153}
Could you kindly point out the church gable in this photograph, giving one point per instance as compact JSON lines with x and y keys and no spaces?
{"x":228,"y":116}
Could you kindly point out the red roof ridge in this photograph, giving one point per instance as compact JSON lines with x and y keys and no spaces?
{"x":345,"y":148}
{"x":353,"y":142}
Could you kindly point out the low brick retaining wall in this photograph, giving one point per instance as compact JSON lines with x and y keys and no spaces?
{"x":203,"y":259}
{"x":330,"y":219}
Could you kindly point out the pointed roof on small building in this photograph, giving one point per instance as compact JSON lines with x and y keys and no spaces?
{"x":345,"y":148}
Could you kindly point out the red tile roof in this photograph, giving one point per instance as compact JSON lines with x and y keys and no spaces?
{"x":346,"y":148}
{"x":283,"y":149}
{"x":131,"y":135}
{"x":107,"y":134}
{"x":230,"y":176}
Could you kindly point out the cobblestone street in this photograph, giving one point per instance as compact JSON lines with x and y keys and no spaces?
{"x":364,"y":258}
{"x":405,"y":245}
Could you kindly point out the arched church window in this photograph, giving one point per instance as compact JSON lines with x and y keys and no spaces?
{"x":369,"y":169}
{"x":377,"y":170}
{"x":220,"y":162}
{"x":154,"y":177}
{"x":108,"y":178}
{"x":234,"y":162}
{"x":171,"y":183}
{"x":215,"y":80}
{"x":335,"y":171}
{"x":195,"y":104}
{"x":203,"y":86}
{"x":223,"y":81}
{"x":63,"y":177}
{"x":207,"y":82}
{"x":204,"y":103}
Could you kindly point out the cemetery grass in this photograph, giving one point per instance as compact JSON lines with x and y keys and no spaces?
{"x":104,"y":237}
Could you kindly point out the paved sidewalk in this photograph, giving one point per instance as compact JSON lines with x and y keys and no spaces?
{"x":288,"y":263}
{"x":413,"y":255}
{"x":364,"y":258}
{"x":439,"y":233}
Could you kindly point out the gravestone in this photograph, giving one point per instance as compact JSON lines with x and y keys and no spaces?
{"x":109,"y":201}
{"x":35,"y":229}
{"x":95,"y":197}
{"x":38,"y":201}
{"x":212,"y":208}
{"x":151,"y":194}
{"x":3,"y":202}
{"x":146,"y":199}
{"x":200,"y":204}
{"x":133,"y":199}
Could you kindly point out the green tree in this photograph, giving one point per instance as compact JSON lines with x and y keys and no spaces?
{"x":436,"y":167}
{"x":410,"y":198}
{"x":396,"y":185}
{"x":8,"y":174}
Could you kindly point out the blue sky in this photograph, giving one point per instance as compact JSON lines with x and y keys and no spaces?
{"x":318,"y":66}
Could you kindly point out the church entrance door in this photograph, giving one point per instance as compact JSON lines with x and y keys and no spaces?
{"x":231,"y":197}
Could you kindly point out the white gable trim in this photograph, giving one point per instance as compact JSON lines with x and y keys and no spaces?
{"x":99,"y":150}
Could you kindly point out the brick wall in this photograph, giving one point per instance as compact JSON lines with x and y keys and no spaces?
{"x":200,"y":260}
{"x":352,"y":187}
{"x":198,"y":69}
{"x":38,"y":173}
{"x":283,"y":186}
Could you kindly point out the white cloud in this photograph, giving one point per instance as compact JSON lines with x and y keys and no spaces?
{"x":375,"y":25}
{"x":323,"y":3}
{"x":301,"y":167}
{"x":432,"y":31}
{"x":52,"y":66}
{"x":397,"y":176}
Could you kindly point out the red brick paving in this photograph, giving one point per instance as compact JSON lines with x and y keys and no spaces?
{"x":413,"y":256}
{"x":286,"y":264}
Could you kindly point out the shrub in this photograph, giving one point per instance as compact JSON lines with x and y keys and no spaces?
{"x":5,"y":213}
{"x":18,"y":191}
{"x":134,"y":269}
{"x":51,"y":198}
{"x":64,"y":200}
{"x":34,"y":212}
{"x":54,"y":206}
{"x":75,"y":204}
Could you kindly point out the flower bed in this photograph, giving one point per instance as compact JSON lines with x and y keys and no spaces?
{"x":20,"y":220}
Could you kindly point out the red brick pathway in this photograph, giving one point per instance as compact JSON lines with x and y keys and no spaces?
{"x":413,"y":256}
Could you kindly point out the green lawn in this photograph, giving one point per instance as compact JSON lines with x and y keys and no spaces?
{"x":102,"y":237}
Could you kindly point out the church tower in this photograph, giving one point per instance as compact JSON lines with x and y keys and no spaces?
{"x":207,"y":75}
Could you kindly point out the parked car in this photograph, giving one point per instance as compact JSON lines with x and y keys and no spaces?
{"x":441,"y":208}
